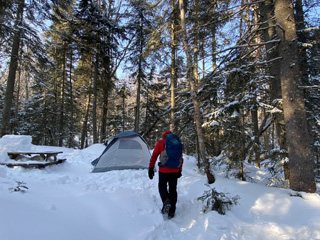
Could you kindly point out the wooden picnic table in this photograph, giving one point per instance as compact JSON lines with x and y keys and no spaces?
{"x":29,"y":159}
{"x":44,"y":155}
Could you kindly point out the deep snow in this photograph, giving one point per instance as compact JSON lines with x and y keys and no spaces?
{"x":68,"y":202}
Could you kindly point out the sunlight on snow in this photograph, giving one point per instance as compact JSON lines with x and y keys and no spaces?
{"x":192,"y":223}
{"x":242,"y":182}
{"x":272,"y":205}
{"x":206,"y":224}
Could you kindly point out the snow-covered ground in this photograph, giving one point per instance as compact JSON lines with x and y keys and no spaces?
{"x":68,"y":202}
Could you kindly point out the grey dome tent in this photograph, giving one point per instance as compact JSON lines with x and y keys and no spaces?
{"x":128,"y":150}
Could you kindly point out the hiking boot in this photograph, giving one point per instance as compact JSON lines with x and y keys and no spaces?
{"x":170,"y":214}
{"x":166,"y":207}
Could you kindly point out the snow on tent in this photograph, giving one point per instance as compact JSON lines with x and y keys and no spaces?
{"x":128,"y":150}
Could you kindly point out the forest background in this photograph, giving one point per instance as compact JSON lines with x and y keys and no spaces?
{"x":239,"y":79}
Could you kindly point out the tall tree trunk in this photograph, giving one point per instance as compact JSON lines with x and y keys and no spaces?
{"x":85,"y":123}
{"x":254,"y":110}
{"x":195,"y":75}
{"x":214,"y":42}
{"x":139,"y":79}
{"x":300,"y":25}
{"x":62,"y":93}
{"x":16,"y":107}
{"x":103,"y":127}
{"x":216,"y":131}
{"x":242,"y":145}
{"x":267,"y":18}
{"x":70,"y":140}
{"x":5,"y":127}
{"x":299,"y":140}
{"x":173,"y":59}
{"x":195,"y":44}
{"x":53,"y":131}
{"x":45,"y":131}
{"x":196,"y":104}
{"x":95,"y":96}
{"x":256,"y":146}
{"x":124,"y":95}
{"x":303,"y":58}
{"x":137,"y":109}
{"x":106,"y":79}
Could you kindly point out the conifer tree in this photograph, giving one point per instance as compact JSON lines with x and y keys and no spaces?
{"x":27,"y":50}
{"x":6,"y":115}
{"x":193,"y":92}
{"x":299,"y":141}
{"x":140,"y":27}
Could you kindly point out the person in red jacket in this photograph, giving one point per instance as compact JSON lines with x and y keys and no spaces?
{"x":167,"y":177}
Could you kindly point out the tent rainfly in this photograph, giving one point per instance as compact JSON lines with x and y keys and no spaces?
{"x":128,"y":150}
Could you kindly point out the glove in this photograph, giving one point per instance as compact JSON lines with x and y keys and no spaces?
{"x":151,"y":172}
{"x":179,"y":174}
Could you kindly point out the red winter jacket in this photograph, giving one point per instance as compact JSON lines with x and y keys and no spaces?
{"x":158,"y":149}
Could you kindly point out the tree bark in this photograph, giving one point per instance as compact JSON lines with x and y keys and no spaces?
{"x":216,"y":131}
{"x":95,"y":96}
{"x":173,"y":60}
{"x":5,"y":127}
{"x":62,"y":97}
{"x":139,"y":80}
{"x":195,"y":100}
{"x":299,"y":140}
{"x":267,"y":18}
{"x":300,"y":25}
{"x":85,"y":124}
{"x":16,"y":107}
{"x":255,"y":121}
{"x":195,"y":45}
{"x":106,"y":81}
{"x":72,"y":121}
{"x":137,"y":109}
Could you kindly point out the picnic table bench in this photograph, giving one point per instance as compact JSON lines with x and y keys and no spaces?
{"x":46,"y":155}
{"x":29,"y":159}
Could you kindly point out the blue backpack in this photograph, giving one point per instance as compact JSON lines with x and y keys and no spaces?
{"x":171,"y":156}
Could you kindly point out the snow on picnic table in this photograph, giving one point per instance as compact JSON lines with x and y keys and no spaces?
{"x":67,"y":201}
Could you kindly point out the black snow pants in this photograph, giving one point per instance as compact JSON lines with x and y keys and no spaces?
{"x":171,"y":180}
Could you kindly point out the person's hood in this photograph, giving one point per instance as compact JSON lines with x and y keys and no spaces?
{"x":165,"y":134}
